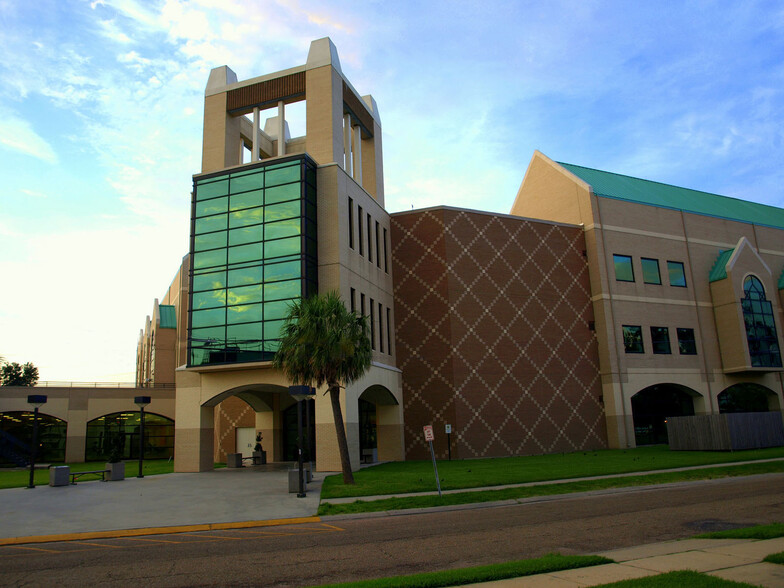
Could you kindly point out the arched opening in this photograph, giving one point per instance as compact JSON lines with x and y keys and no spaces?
{"x":760,"y":324}
{"x":18,"y":426}
{"x":116,"y":435}
{"x":746,"y":397}
{"x":371,"y":405}
{"x":652,"y":406}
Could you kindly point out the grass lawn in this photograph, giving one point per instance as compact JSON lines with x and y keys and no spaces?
{"x":19,"y":478}
{"x":678,"y":580}
{"x":417,"y":476}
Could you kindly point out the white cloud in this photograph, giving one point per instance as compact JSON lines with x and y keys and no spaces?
{"x":18,"y":135}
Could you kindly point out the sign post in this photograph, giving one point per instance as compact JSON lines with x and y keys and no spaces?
{"x":449,"y":440}
{"x":429,"y":438}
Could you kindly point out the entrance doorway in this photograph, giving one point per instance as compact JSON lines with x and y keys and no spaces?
{"x":653,"y":405}
{"x":246,"y":440}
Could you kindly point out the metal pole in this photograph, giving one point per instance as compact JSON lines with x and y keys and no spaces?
{"x":141,"y":444}
{"x":301,"y":493}
{"x":435,"y":468}
{"x":33,"y":447}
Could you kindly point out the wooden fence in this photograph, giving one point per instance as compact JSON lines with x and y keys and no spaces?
{"x":726,"y":432}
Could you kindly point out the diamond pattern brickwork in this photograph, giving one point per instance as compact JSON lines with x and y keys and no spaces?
{"x":230,"y":414}
{"x":492,"y":335}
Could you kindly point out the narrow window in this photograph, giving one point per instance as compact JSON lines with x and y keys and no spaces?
{"x":686,"y":343}
{"x":660,"y":340}
{"x":362,"y":304}
{"x":389,"y":331}
{"x":378,"y":255}
{"x":386,"y":267}
{"x":380,"y":325}
{"x":632,"y":339}
{"x":761,"y":335}
{"x":353,"y":300}
{"x":359,"y":225}
{"x":677,"y":275}
{"x":372,"y":327}
{"x":370,"y":239}
{"x":624,"y":272}
{"x":351,"y":223}
{"x":650,"y":270}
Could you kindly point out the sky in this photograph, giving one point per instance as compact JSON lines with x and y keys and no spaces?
{"x":101,"y":106}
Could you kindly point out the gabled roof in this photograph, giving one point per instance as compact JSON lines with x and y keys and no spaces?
{"x":168,"y":317}
{"x":719,"y":271}
{"x":610,"y":185}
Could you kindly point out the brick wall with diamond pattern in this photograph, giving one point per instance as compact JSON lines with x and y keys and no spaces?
{"x":492,"y":332}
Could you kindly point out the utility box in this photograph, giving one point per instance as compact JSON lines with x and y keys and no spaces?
{"x":234,"y":460}
{"x":59,"y":475}
{"x":294,"y":481}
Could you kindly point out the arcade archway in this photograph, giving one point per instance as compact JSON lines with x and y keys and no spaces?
{"x":652,"y":406}
{"x":746,"y":397}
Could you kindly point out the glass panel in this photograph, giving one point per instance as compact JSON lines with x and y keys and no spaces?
{"x":280,"y":247}
{"x":209,"y":241}
{"x":243,"y":333}
{"x":282,"y":271}
{"x":214,"y":206}
{"x":244,"y":235}
{"x":686,"y":343}
{"x":211,"y":223}
{"x":282,"y":193}
{"x":247,"y":200}
{"x":283,"y":175}
{"x":244,"y":294}
{"x":211,"y":189}
{"x":650,"y":271}
{"x":244,"y":313}
{"x":677,"y":275}
{"x":209,"y":258}
{"x":623,"y":268}
{"x":282,"y":290}
{"x":210,"y":335}
{"x":281,"y":211}
{"x":245,"y":253}
{"x":249,"y":216}
{"x":272,"y":329}
{"x":208,"y":318}
{"x":211,"y":281}
{"x":632,"y":339}
{"x":246,"y":275}
{"x":660,"y":337}
{"x":276,"y":310}
{"x":247,"y":182}
{"x":209,"y":299}
{"x":286,"y":228}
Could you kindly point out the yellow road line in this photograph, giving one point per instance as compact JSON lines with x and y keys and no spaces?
{"x":154,"y":531}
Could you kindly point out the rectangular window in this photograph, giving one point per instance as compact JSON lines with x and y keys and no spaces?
{"x":359,"y":226}
{"x":660,"y":340}
{"x":372,"y":327}
{"x":650,"y":270}
{"x":632,"y":339}
{"x":362,"y":304}
{"x":380,"y":326}
{"x":686,"y":343}
{"x":351,"y":223}
{"x":353,"y":300}
{"x":677,"y":275}
{"x":389,"y":331}
{"x":624,"y":272}
{"x":370,"y":239}
{"x":386,"y":267}
{"x":378,"y":255}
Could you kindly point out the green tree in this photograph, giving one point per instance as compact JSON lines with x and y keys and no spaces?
{"x":13,"y":374}
{"x":322,"y":342}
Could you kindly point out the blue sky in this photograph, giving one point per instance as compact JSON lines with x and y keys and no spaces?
{"x":101,"y":110}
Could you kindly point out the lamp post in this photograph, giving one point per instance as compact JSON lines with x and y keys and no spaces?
{"x":37,"y":401}
{"x":141,"y":402}
{"x":300,"y":393}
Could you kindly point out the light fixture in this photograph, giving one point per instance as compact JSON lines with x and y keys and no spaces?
{"x":300,"y":393}
{"x":36,"y":401}
{"x":141,"y":402}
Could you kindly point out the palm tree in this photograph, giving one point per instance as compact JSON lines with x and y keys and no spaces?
{"x":322,"y":342}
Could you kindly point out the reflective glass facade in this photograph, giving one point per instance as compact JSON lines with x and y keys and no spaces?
{"x":253,"y":251}
{"x":760,"y":325}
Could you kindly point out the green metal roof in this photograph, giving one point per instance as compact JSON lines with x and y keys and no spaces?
{"x":621,"y":187}
{"x":168,"y":316}
{"x":719,"y":271}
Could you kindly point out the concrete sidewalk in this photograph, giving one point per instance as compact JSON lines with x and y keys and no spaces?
{"x":257,"y":493}
{"x":739,"y":560}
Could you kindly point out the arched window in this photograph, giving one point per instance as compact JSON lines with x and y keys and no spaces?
{"x":760,"y":325}
{"x":19,"y":425}
{"x":118,"y":434}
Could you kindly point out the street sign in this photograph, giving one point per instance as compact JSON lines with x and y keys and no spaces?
{"x":429,"y":437}
{"x":429,"y":433}
{"x":448,"y":429}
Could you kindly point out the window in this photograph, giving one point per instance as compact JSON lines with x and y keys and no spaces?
{"x":650,"y":271}
{"x":632,"y":339}
{"x":378,"y":255}
{"x":380,"y":327}
{"x":686,"y":343}
{"x":370,"y":239}
{"x":623,"y":268}
{"x":359,"y":224}
{"x":362,"y":304}
{"x":353,"y":300}
{"x":677,"y":275}
{"x":760,"y":325}
{"x":351,"y":223}
{"x":660,"y":340}
{"x":389,"y":331}
{"x":372,"y":327}
{"x":386,"y":267}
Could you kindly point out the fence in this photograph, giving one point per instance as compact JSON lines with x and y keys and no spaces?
{"x":726,"y":432}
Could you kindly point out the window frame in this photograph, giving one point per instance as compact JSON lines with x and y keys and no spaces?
{"x":656,"y":339}
{"x":627,"y":348}
{"x":683,"y":340}
{"x":683,"y":273}
{"x":616,"y":258}
{"x":645,"y":280}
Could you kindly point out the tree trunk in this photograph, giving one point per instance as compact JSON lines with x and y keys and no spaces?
{"x":340,"y":431}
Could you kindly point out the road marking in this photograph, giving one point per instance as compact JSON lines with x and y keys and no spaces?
{"x":35,"y":549}
{"x":97,"y":544}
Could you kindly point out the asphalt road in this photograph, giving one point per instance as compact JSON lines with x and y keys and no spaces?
{"x":351,"y":549}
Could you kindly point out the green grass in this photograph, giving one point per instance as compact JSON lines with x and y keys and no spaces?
{"x":772,"y":531}
{"x":677,"y":580}
{"x":417,"y":476}
{"x":19,"y":478}
{"x":407,"y":502}
{"x":514,"y":569}
{"x":776,"y":558}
